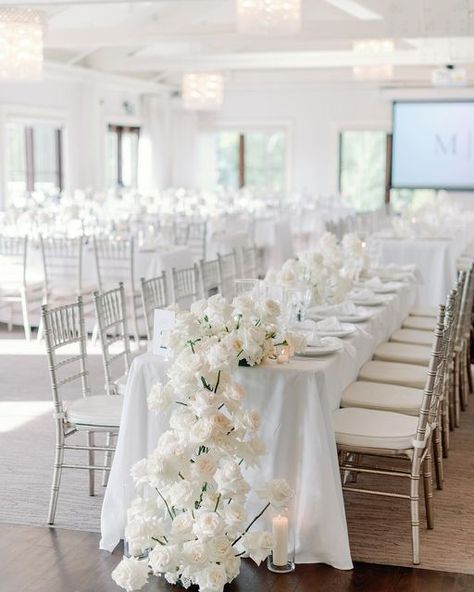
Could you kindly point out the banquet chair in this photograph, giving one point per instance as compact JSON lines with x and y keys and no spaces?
{"x":115,"y":262}
{"x":407,"y":400}
{"x":229,"y":272}
{"x":64,"y":330}
{"x":365,"y":437}
{"x":210,"y":278}
{"x":15,"y":288}
{"x":111,"y":315}
{"x":180,"y":232}
{"x":154,"y":295}
{"x":62,"y":267}
{"x":249,"y":262}
{"x":197,"y":237}
{"x":185,"y":283}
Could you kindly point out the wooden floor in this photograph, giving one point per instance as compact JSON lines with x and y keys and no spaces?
{"x":35,"y":559}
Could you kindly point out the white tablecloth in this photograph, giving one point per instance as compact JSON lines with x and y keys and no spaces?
{"x":435,"y":260}
{"x":295,"y":401}
{"x":147,"y":264}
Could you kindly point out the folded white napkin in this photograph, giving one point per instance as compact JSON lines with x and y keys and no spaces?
{"x":313,"y":340}
{"x":345,"y":308}
{"x":329,"y":324}
{"x":374,"y":282}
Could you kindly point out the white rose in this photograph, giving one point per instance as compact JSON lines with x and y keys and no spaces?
{"x":139,"y":472}
{"x":204,"y":466}
{"x":258,"y":544}
{"x":201,"y":431}
{"x":232,"y":567}
{"x":212,"y":579}
{"x":169,"y":443}
{"x":235,"y":391}
{"x":270,"y":310}
{"x":251,"y":419}
{"x":220,"y":423}
{"x":131,"y":574}
{"x":160,"y":397}
{"x":208,"y":525}
{"x":182,"y":419}
{"x":195,"y":552}
{"x":198,"y":308}
{"x":219,"y":357}
{"x":234,"y":515}
{"x":182,"y":526}
{"x":219,"y":547}
{"x":277,"y":492}
{"x":244,"y":305}
{"x":138,"y":535}
{"x":163,"y":558}
{"x":181,"y":494}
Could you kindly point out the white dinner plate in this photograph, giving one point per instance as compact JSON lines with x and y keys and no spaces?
{"x":329,"y":345}
{"x":347,"y":329}
{"x":360,"y":317}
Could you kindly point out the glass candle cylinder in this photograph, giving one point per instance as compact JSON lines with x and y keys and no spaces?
{"x":282,"y":557}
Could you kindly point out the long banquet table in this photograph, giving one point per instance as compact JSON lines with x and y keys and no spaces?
{"x":295,"y":401}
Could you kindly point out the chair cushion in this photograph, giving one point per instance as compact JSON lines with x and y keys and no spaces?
{"x":367,"y":428}
{"x":121,"y":384}
{"x":413,"y":336}
{"x":422,"y":323}
{"x":405,"y":353}
{"x":394,"y":373}
{"x":423,"y":311}
{"x":97,"y":410}
{"x":385,"y":397}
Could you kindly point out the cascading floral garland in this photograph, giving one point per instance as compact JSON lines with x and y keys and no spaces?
{"x":189,"y":521}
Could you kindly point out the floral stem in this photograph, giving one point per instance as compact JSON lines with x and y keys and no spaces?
{"x":217,"y":502}
{"x":218,"y":380}
{"x":166,"y":504}
{"x":158,"y":541}
{"x":251,"y":524}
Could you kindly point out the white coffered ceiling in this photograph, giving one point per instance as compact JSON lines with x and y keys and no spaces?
{"x":159,"y":40}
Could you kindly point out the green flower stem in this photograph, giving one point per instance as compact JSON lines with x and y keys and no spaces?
{"x":251,"y":524}
{"x":166,"y":504}
{"x":217,"y":502}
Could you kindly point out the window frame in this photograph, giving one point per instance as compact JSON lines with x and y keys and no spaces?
{"x":370,"y":127}
{"x":29,"y":116}
{"x":120,"y":129}
{"x":249,"y":126}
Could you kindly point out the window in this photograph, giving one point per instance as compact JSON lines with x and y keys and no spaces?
{"x":122,"y":156}
{"x":363,"y":168}
{"x":254,"y":159}
{"x":34,"y":158}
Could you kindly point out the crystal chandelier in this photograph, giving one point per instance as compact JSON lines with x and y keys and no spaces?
{"x":278,"y":17}
{"x":203,"y":91}
{"x":21,"y":44}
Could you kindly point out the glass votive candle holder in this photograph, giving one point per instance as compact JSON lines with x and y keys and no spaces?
{"x":282,"y":558}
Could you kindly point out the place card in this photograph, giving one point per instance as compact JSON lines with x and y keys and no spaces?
{"x":163,"y":321}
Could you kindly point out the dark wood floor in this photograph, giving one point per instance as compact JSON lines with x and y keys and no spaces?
{"x":34,"y":559}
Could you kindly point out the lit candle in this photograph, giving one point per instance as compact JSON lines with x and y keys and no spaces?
{"x":280,"y":540}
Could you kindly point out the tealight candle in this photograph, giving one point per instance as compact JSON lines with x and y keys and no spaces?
{"x":282,"y":359}
{"x":280,"y":540}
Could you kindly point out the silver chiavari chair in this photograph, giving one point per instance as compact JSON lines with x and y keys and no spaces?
{"x":375,"y":435}
{"x":229,"y":272}
{"x":154,"y":295}
{"x":463,"y":340}
{"x":65,"y":330}
{"x":197,"y":237}
{"x":15,"y":288}
{"x":111,"y":316}
{"x":62,"y":267}
{"x":115,"y":262}
{"x":185,"y":284}
{"x":249,"y":262}
{"x":210,"y":278}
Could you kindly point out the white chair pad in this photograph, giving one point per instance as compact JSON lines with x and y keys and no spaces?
{"x":413,"y":336}
{"x":121,"y":384}
{"x":404,"y":353}
{"x":424,"y":311}
{"x":367,"y":428}
{"x":394,"y":373}
{"x":384,"y":397}
{"x":422,"y":323}
{"x":97,"y":410}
